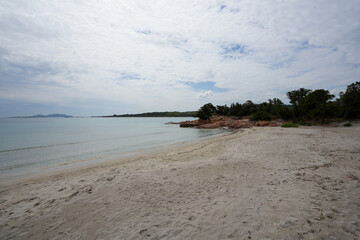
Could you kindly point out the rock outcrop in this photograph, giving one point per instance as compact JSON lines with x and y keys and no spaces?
{"x":229,"y":122}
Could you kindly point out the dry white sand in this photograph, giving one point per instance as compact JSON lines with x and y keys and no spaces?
{"x":262,"y":183}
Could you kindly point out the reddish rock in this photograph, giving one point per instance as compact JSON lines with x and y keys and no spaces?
{"x":241,"y":124}
{"x":217,"y":118}
{"x":245,"y":119}
{"x":262,"y":123}
{"x":200,"y":121}
{"x":194,"y":123}
{"x":209,"y":126}
{"x":226,"y":123}
{"x":274,"y":124}
{"x":229,"y":122}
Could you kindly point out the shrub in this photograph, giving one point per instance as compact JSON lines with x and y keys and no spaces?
{"x":285,"y":113}
{"x":347,"y":125}
{"x":261,"y":115}
{"x":288,"y":125}
{"x":305,"y":123}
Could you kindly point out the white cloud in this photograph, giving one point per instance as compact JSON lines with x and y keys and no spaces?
{"x":142,"y":51}
{"x":205,"y":94}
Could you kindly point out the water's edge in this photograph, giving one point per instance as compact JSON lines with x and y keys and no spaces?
{"x":105,"y":160}
{"x":32,"y":146}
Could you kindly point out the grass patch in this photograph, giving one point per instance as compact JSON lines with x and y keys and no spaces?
{"x":347,"y":125}
{"x":289,"y":125}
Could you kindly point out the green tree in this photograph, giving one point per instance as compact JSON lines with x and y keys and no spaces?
{"x":206,"y":111}
{"x":264,"y":107}
{"x":235,"y":110}
{"x":296,"y":99}
{"x":316,"y":104}
{"x":297,"y":95}
{"x":222,"y":110}
{"x":350,"y":101}
{"x":249,"y":108}
{"x":274,"y":105}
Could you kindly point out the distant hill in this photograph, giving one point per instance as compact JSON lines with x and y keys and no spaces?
{"x":157,"y":114}
{"x":51,"y":115}
{"x":57,"y":115}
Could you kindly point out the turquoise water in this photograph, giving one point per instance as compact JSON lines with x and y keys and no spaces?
{"x":35,"y":144}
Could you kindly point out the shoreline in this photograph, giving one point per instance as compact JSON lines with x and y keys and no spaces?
{"x":109,"y":160}
{"x":97,"y":159}
{"x":261,"y":183}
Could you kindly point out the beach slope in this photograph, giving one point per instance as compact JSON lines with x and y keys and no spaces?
{"x":260,"y":183}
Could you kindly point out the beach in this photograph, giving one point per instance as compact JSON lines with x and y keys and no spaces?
{"x":257,"y":183}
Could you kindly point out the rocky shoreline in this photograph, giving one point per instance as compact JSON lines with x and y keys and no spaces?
{"x":229,"y":122}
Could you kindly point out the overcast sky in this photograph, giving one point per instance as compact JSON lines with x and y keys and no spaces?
{"x":127,"y":56}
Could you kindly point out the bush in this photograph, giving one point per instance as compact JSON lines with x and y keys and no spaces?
{"x":285,"y":113}
{"x":347,"y":125}
{"x":261,"y":115}
{"x":305,"y":123}
{"x":289,"y":125}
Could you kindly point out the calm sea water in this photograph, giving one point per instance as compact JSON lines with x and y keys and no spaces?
{"x":36,"y":144}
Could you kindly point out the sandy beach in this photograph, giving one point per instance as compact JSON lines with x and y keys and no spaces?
{"x":258,"y":183}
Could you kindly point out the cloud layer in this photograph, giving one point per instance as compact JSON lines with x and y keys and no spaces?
{"x":140,"y":56}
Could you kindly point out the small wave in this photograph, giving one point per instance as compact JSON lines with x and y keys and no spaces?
{"x":15,"y":166}
{"x":35,"y":147}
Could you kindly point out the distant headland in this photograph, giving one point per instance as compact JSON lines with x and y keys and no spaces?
{"x":157,"y":114}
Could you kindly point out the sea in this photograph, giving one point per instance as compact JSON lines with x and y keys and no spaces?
{"x":35,"y":145}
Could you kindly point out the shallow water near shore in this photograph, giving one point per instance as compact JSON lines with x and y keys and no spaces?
{"x":36,"y":144}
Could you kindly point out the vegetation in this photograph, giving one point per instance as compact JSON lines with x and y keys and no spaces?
{"x":347,"y":125}
{"x":261,"y":115}
{"x":289,"y":125}
{"x":316,"y":106}
{"x":350,"y":101}
{"x":207,"y":111}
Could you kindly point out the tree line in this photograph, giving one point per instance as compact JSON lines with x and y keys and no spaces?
{"x":157,"y":114}
{"x":306,"y":104}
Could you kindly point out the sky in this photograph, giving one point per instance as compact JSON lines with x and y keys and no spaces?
{"x":89,"y":57}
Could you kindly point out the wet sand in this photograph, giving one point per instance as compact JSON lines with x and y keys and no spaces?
{"x":260,"y":183}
